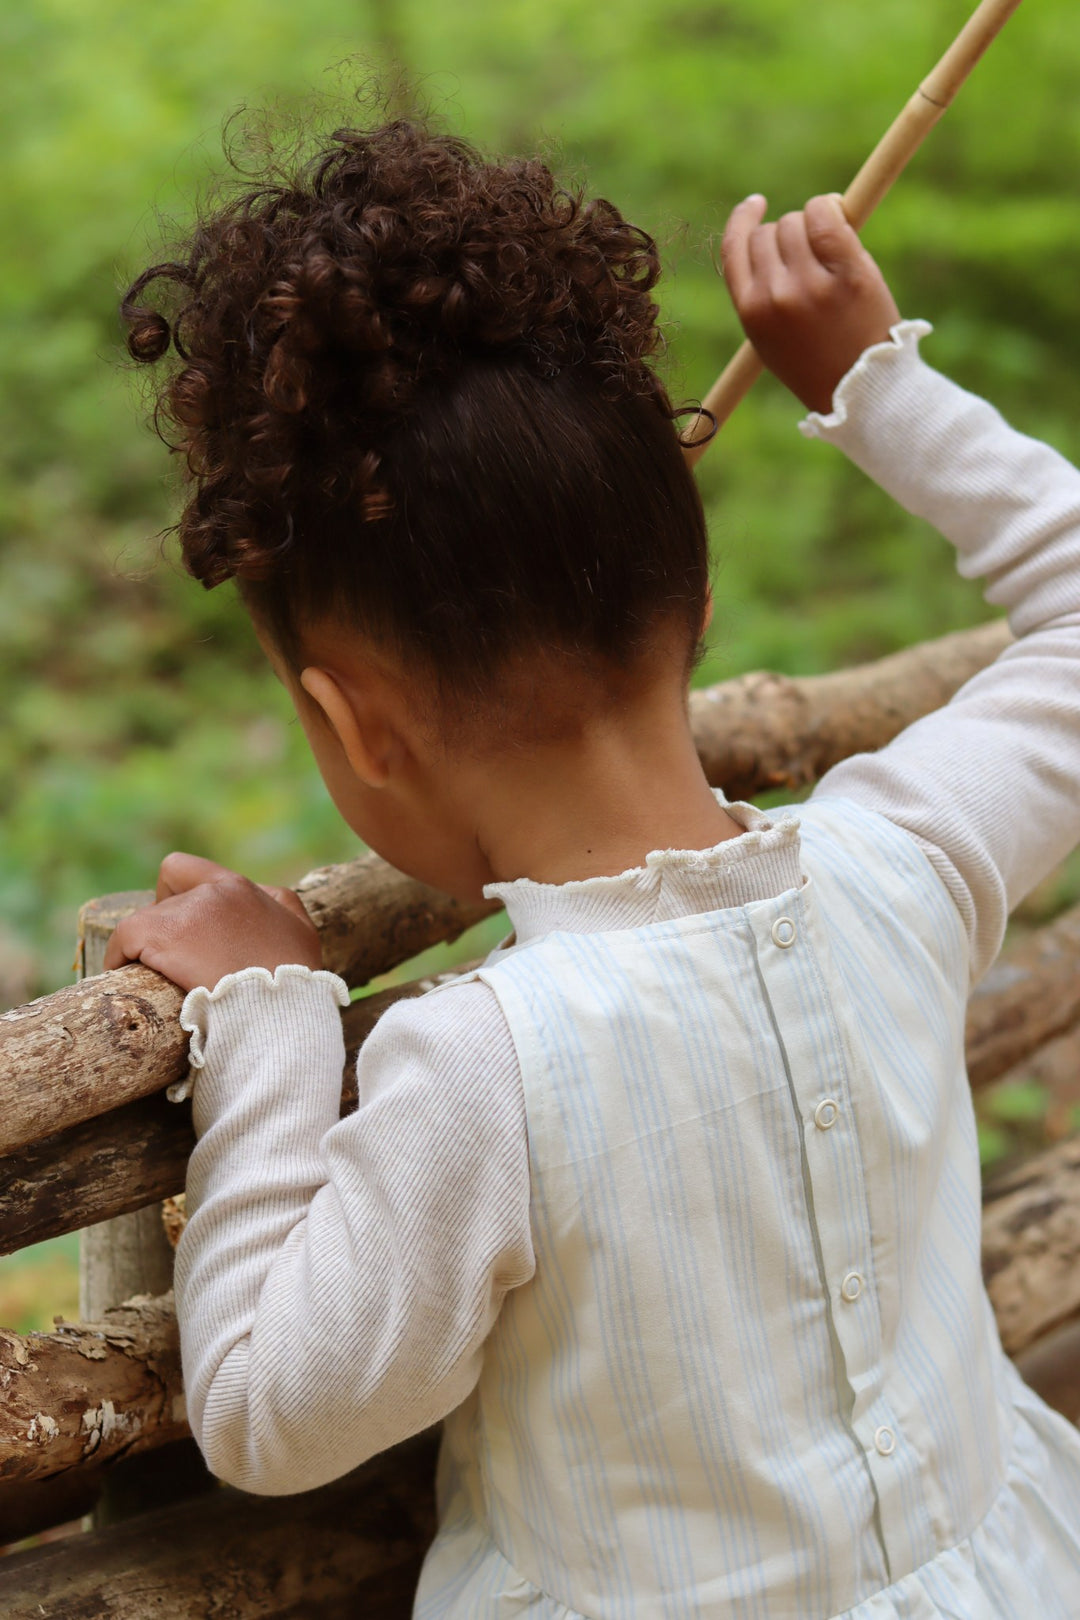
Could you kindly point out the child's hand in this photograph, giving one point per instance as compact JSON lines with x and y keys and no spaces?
{"x":208,"y":922}
{"x":808,"y":294}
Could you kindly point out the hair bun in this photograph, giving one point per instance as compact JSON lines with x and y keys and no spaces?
{"x":312,"y":312}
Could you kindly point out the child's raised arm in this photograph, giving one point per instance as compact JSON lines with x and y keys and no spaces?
{"x":990,"y":784}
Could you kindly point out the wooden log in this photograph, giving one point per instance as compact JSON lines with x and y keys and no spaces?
{"x":86,"y":1048}
{"x":353,"y":1547}
{"x":765,"y":731}
{"x":92,"y":1171}
{"x":1031,"y":994}
{"x":90,"y":1391}
{"x":128,"y":1254}
{"x":134,"y":1155}
{"x":119,"y":1259}
{"x":1031,"y":1245}
{"x":111,"y":1039}
{"x":29,"y":1506}
{"x":372,"y":918}
{"x":1052,"y":1367}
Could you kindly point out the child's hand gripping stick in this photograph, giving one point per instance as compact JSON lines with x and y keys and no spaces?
{"x":882,"y":168}
{"x":808,"y":294}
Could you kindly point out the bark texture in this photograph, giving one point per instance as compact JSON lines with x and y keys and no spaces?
{"x":351,"y":1548}
{"x":93,"y":1171}
{"x":90,"y":1391}
{"x":85,"y":1049}
{"x":1031,"y":1245}
{"x":1052,"y":1367}
{"x":136,"y":1155}
{"x":764,"y":731}
{"x":1031,"y":994}
{"x":372,"y":918}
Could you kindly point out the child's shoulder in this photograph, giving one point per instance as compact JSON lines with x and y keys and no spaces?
{"x":454,"y":1033}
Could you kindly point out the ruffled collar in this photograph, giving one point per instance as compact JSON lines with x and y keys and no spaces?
{"x":760,"y":864}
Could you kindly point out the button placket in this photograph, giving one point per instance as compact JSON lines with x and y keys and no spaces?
{"x":797,"y":982}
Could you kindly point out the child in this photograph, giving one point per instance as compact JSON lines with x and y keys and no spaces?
{"x":672,"y":1208}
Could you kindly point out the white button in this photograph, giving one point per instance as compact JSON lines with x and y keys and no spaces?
{"x":884,"y":1441}
{"x":851,"y":1287}
{"x":826,"y":1113}
{"x":783,"y":932}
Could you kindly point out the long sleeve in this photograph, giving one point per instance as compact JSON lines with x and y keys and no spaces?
{"x":989,"y":785}
{"x":336,"y":1279}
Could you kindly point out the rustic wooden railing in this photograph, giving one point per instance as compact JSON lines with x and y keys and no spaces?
{"x":86,"y":1134}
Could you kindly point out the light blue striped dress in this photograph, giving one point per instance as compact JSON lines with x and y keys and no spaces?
{"x":756,"y":1373}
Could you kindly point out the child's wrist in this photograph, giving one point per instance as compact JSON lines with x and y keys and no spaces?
{"x":877,"y":371}
{"x":295,"y":1009}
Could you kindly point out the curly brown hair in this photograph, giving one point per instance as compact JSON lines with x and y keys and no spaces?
{"x":412,"y":392}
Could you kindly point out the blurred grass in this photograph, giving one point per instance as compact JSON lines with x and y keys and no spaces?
{"x":39,"y":1283}
{"x":138,"y":715}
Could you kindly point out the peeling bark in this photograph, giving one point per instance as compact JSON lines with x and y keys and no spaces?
{"x":1031,"y":1245}
{"x":90,"y":1392}
{"x":353,"y":1547}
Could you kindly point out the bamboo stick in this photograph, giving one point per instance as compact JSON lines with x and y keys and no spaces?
{"x":874,"y":180}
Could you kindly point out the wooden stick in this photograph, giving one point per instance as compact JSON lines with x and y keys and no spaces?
{"x":350,"y":1548}
{"x":876,"y":177}
{"x":1031,"y":1245}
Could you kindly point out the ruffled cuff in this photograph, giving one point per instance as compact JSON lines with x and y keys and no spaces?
{"x":880,"y":369}
{"x":294,"y":991}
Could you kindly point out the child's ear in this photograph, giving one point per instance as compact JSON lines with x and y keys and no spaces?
{"x":366,"y":741}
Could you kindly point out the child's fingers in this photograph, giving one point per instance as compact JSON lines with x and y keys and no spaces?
{"x":735,"y":247}
{"x":179,"y":872}
{"x":127,"y":939}
{"x":287,"y":898}
{"x":793,"y":244}
{"x":766,"y":265}
{"x":833,"y":241}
